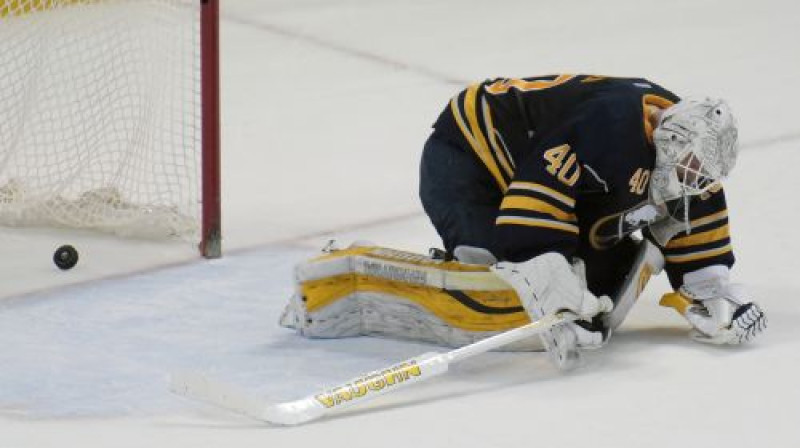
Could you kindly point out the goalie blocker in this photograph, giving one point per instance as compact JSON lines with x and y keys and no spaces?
{"x":379,"y":291}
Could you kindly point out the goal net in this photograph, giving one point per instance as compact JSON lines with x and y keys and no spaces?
{"x":107,"y":110}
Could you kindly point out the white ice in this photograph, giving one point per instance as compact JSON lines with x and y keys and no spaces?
{"x":326,"y":105}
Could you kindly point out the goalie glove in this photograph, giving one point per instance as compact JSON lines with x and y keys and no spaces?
{"x":547,"y":284}
{"x":720,"y":313}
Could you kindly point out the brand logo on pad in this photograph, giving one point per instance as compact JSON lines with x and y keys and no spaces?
{"x":396,"y":273}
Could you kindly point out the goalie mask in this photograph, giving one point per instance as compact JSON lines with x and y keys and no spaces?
{"x":696,"y":147}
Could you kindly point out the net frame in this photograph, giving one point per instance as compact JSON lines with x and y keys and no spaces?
{"x":205,"y":132}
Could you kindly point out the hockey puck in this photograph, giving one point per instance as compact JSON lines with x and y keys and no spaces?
{"x":65,"y":257}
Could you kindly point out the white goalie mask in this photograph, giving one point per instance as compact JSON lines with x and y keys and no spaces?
{"x":696,"y":147}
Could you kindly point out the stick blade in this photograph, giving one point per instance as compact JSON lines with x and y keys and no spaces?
{"x":201,"y":388}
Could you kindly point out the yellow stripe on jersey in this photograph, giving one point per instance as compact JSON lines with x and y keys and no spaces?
{"x":456,"y":111}
{"x":473,"y":134}
{"x":498,"y":151}
{"x":709,"y":219}
{"x":525,"y":85}
{"x":536,"y":205}
{"x":697,"y":239}
{"x":536,"y":222}
{"x":650,"y":101}
{"x":547,"y":191}
{"x":471,"y":109}
{"x":594,"y":78}
{"x":700,"y":255}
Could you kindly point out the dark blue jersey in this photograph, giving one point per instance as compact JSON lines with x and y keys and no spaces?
{"x":572,"y":156}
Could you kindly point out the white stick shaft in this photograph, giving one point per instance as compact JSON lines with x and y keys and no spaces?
{"x":374,"y":384}
{"x":507,"y":337}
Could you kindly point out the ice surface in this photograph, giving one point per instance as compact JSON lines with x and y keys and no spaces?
{"x":327,"y":104}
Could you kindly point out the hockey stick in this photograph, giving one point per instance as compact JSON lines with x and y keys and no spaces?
{"x":358,"y":390}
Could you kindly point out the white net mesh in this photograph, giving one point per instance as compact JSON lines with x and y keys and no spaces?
{"x":100,"y":115}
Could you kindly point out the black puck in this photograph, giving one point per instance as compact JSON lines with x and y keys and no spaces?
{"x":65,"y":257}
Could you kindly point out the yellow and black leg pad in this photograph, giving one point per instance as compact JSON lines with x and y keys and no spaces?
{"x":385,"y":292}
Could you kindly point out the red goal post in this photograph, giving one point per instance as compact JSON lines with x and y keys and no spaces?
{"x":211,"y":239}
{"x":110,"y":117}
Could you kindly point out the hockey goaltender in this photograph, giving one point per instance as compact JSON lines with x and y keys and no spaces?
{"x":550,"y":193}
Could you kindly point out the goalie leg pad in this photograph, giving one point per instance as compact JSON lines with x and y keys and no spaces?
{"x":383,"y":292}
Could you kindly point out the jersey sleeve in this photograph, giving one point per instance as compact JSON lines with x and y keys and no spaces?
{"x":537,"y":214}
{"x":707,"y":243}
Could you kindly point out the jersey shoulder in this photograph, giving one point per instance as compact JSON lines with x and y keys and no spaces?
{"x":636,"y":87}
{"x":610,"y":136}
{"x":608,"y":120}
